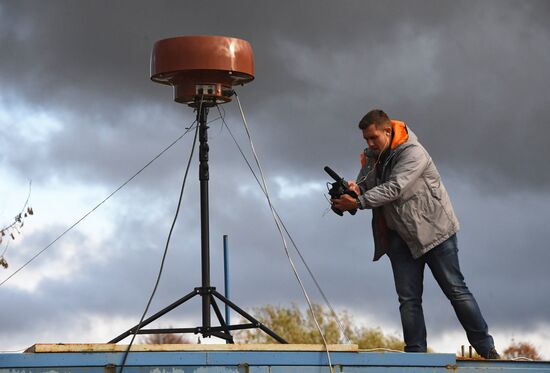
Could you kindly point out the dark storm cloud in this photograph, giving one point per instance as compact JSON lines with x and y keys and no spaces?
{"x":473,"y":88}
{"x":469,"y":79}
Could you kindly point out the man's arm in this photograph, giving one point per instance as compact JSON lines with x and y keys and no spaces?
{"x":408,"y":167}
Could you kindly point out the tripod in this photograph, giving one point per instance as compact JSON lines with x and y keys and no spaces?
{"x":206,"y":292}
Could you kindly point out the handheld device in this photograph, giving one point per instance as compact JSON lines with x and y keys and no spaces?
{"x":338,"y":188}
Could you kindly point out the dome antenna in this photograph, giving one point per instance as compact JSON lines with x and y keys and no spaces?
{"x":203,"y":70}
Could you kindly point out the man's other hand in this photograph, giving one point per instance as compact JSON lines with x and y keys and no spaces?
{"x":353,"y":186}
{"x":344,"y":203}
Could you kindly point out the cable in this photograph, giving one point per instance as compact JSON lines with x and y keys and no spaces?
{"x":329,"y":305}
{"x":138,"y":327}
{"x":279,"y":228}
{"x":278,"y":224}
{"x":97,"y":206}
{"x":374,"y":166}
{"x":333,"y":312}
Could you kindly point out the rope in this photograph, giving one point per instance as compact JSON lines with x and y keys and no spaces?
{"x":138,"y":327}
{"x":279,"y":228}
{"x":93,"y":209}
{"x":327,"y":302}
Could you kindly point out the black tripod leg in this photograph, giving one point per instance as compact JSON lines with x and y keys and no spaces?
{"x":244,"y":314}
{"x":221,"y":320}
{"x":222,"y":335}
{"x":155,"y":316}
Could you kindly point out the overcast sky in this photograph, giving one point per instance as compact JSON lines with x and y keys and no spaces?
{"x":79,"y":115}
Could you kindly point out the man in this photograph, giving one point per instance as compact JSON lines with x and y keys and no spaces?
{"x":414,"y":224}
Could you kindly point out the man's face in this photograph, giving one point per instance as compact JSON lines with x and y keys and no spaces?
{"x":377,"y":140}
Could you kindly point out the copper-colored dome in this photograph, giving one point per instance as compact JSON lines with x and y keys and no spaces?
{"x":217,"y":62}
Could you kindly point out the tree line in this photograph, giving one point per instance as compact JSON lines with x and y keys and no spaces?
{"x":297,"y":326}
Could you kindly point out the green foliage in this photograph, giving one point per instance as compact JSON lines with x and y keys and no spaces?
{"x":368,"y":338}
{"x":297,"y":327}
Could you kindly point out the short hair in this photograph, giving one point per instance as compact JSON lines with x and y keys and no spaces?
{"x":377,"y":117}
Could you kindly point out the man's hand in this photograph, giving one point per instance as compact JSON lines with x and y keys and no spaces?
{"x":353,"y":186}
{"x":345,"y":202}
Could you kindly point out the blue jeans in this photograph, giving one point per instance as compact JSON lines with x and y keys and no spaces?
{"x":408,"y":274}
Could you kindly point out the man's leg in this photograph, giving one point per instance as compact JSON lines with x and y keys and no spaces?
{"x":443,"y":262}
{"x":409,"y":276}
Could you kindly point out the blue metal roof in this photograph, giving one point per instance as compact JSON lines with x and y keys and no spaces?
{"x":256,"y":362}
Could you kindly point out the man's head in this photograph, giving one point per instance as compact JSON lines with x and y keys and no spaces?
{"x":377,"y":130}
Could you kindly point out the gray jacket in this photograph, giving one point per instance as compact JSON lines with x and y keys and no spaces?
{"x":409,"y":198}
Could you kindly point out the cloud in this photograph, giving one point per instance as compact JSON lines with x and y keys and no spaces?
{"x":432,"y":68}
{"x":289,"y":189}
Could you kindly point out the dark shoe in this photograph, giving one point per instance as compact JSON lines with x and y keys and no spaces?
{"x":492,"y":354}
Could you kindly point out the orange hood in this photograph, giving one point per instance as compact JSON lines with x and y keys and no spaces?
{"x":400,"y":133}
{"x":400,"y":136}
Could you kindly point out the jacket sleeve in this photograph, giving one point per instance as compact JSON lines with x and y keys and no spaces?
{"x":408,"y":167}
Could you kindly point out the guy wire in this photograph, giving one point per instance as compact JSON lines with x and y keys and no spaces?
{"x":327,"y":302}
{"x":278,"y":224}
{"x":97,"y":206}
{"x":138,"y":327}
